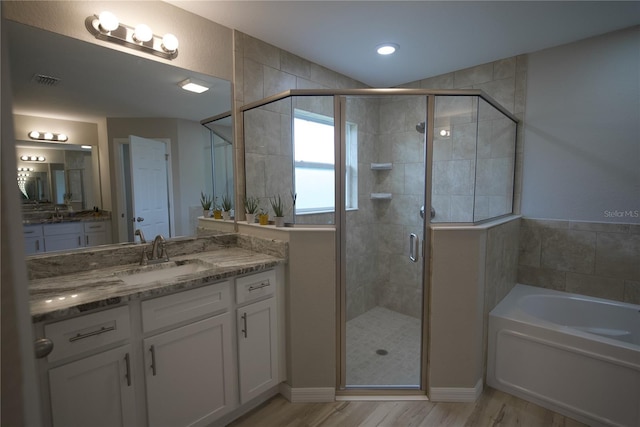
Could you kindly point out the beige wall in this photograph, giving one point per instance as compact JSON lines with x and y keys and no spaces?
{"x":472,"y":269}
{"x":590,"y":258}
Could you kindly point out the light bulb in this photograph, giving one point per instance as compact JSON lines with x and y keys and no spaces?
{"x":387,"y":48}
{"x":170,"y":43}
{"x":25,"y":158}
{"x":62,"y":137}
{"x":34,"y":134}
{"x":41,"y":159}
{"x":48,"y":136}
{"x":108,"y":21}
{"x":142,"y":33}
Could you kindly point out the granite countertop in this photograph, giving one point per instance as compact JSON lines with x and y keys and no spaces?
{"x":61,"y":296}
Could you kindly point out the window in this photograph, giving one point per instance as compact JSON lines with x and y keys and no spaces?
{"x":313,"y":136}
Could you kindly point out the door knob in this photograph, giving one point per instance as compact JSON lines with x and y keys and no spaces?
{"x":43,"y":346}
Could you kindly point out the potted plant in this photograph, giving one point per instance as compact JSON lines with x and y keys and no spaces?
{"x":278,"y":210}
{"x":205,"y":201}
{"x":217,"y":212}
{"x":251,"y":207}
{"x":226,"y":207}
{"x":263,"y":217}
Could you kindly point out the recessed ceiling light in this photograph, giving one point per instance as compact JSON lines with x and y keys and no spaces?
{"x":387,"y":48}
{"x":192,"y":86}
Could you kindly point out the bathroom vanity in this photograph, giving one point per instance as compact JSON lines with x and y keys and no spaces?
{"x":179,"y":343}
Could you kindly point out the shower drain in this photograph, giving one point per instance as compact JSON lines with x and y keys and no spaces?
{"x":382,"y":352}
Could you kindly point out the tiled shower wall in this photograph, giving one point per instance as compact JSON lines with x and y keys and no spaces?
{"x":589,"y":258}
{"x":505,"y":81}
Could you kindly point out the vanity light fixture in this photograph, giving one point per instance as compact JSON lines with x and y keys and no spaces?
{"x":387,"y":48}
{"x":30,"y":158}
{"x":25,"y":169}
{"x":106,"y":26}
{"x":193,"y":86}
{"x":48,"y":136}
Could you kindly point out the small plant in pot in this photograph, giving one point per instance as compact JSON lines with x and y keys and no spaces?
{"x":217,"y":211}
{"x":251,"y":207}
{"x":278,"y":210}
{"x":205,"y":201}
{"x":226,"y":207}
{"x":263,"y":217}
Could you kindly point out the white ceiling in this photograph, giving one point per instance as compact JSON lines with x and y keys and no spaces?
{"x":98,"y":82}
{"x":435,"y":37}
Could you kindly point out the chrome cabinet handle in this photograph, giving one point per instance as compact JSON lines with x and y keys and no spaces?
{"x":86,"y":240}
{"x":153,"y":360}
{"x":79,"y":241}
{"x":43,"y":347}
{"x":414,"y":248}
{"x":244,"y":319}
{"x":90,"y":334}
{"x":37,"y":245}
{"x":127,"y":375}
{"x":260,"y":286}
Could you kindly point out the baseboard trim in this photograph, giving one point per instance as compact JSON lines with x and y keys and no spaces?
{"x":456,"y":394}
{"x":307,"y":394}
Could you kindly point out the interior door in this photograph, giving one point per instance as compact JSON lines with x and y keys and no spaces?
{"x":149,"y":186}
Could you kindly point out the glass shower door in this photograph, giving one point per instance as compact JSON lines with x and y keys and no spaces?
{"x":383,"y":289}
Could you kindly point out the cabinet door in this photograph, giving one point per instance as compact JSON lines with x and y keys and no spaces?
{"x":33,"y":245}
{"x":95,"y":239}
{"x":189,"y":371}
{"x":94,"y":391}
{"x":257,"y":348}
{"x":63,"y":242}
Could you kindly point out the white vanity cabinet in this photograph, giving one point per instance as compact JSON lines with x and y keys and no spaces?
{"x":33,"y":240}
{"x":189,"y":368}
{"x":64,"y":236}
{"x":188,"y":358}
{"x":96,"y":389}
{"x":60,"y":237}
{"x":257,"y":331}
{"x":97,"y":233}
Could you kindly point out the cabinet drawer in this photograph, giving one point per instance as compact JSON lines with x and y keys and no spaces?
{"x":87,"y":332}
{"x":172,"y":309}
{"x":256,"y":286}
{"x":93,"y":227}
{"x":55,"y":229}
{"x":32,"y":231}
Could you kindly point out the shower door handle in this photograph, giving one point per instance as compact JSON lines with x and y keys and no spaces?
{"x":414,"y":247}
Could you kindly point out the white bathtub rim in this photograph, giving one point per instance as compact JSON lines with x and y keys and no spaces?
{"x":508,"y":308}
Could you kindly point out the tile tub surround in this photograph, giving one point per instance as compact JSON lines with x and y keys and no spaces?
{"x":589,"y":258}
{"x":61,"y":296}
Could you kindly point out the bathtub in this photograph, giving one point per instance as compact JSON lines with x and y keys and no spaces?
{"x":576,"y":355}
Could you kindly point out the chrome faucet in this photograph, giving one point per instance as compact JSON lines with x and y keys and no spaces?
{"x":158,"y":252}
{"x":141,"y":234}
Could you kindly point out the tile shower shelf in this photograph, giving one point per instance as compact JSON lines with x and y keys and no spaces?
{"x":381,"y":196}
{"x":381,"y":166}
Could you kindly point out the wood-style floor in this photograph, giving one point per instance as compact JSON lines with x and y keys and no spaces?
{"x":493,"y":408}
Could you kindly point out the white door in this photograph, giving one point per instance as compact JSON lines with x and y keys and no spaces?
{"x":149,"y":186}
{"x":94,"y":391}
{"x":189,"y":373}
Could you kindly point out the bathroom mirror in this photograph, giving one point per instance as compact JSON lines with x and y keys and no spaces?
{"x":64,"y":80}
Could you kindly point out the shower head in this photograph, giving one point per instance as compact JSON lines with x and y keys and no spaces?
{"x":420,"y":127}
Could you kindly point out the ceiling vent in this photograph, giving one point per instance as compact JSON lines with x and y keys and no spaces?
{"x":46,"y":80}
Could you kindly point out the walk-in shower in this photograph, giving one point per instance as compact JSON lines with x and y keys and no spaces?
{"x":368,"y":162}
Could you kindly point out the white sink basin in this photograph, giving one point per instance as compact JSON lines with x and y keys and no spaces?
{"x":163,"y":272}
